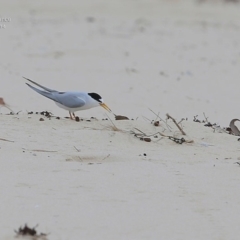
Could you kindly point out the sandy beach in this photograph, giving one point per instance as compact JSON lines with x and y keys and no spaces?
{"x":95,"y":179}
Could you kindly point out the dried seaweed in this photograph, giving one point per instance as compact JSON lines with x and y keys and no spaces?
{"x":177,"y":140}
{"x":26,"y":231}
{"x":144,"y":137}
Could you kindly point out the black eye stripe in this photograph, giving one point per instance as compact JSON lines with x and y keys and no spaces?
{"x":95,"y":96}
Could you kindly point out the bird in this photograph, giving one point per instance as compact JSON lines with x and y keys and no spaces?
{"x":71,"y":101}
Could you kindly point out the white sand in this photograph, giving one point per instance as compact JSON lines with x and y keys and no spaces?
{"x":173,"y":57}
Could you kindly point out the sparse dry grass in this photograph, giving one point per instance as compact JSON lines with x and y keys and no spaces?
{"x":2,"y":103}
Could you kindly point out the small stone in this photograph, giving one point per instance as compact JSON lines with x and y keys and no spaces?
{"x":77,"y":119}
{"x":147,"y":139}
{"x":47,"y":114}
{"x":119,"y":117}
{"x":41,"y":119}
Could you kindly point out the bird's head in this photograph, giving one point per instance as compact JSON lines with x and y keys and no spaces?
{"x":99,"y":100}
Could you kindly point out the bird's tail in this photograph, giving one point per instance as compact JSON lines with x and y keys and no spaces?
{"x":44,"y":93}
{"x":45,"y":88}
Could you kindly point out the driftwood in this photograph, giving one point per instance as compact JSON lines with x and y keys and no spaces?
{"x":234,"y":128}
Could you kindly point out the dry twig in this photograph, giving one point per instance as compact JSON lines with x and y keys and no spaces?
{"x":39,"y":150}
{"x":183,"y":119}
{"x":106,"y":157}
{"x":168,"y":116}
{"x":3,"y":139}
{"x":206,"y":118}
{"x":142,"y":136}
{"x":114,"y":127}
{"x":157,"y":116}
{"x":77,"y":149}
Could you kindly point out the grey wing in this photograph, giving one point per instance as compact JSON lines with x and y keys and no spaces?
{"x":69,"y":99}
{"x":45,"y":88}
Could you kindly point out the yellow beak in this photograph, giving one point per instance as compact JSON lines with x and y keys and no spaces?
{"x":106,"y":107}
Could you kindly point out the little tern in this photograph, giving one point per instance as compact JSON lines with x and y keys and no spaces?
{"x":71,"y":101}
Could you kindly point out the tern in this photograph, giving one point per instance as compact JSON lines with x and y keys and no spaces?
{"x":71,"y":101}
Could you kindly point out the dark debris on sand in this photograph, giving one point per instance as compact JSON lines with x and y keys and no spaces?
{"x":26,"y":231}
{"x":177,"y":140}
{"x":207,"y":123}
{"x":47,"y":114}
{"x":119,"y":117}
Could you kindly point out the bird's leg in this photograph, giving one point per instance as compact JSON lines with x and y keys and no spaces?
{"x":74,"y":115}
{"x":70,"y":115}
